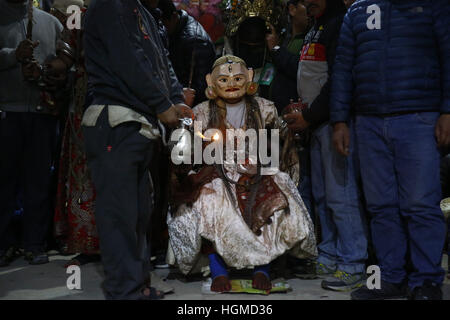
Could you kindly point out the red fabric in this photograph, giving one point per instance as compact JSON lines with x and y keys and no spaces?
{"x":74,"y":219}
{"x":314,"y":52}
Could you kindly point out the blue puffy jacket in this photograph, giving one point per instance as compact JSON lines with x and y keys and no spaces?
{"x":393,"y":57}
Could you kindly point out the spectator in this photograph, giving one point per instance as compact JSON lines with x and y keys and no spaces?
{"x":74,"y":220}
{"x":191,"y":50}
{"x":27,"y":123}
{"x":285,"y":55}
{"x":133,"y":84}
{"x":393,"y":66}
{"x":343,"y":249}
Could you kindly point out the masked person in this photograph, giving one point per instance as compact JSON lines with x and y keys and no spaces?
{"x":216,"y":214}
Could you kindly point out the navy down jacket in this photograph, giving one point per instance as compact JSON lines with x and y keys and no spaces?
{"x":393,"y":57}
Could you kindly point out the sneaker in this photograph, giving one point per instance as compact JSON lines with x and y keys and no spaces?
{"x":343,"y":281}
{"x":36,"y":257}
{"x":387,"y":291}
{"x":323,"y":270}
{"x":428,"y":291}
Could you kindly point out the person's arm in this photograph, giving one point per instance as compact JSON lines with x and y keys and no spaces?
{"x":319,"y":110}
{"x":116,"y":26}
{"x":341,"y":95}
{"x":441,"y":26}
{"x":176,"y":89}
{"x":342,"y":88}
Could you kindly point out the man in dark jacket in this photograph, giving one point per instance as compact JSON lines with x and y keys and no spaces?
{"x":192,"y":52}
{"x":133,"y":85}
{"x":285,"y":54}
{"x":393,"y":67}
{"x":343,"y":249}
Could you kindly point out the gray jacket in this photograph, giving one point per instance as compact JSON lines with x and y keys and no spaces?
{"x":17,"y":95}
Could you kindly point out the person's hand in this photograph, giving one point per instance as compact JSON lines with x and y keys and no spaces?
{"x":172,"y":116}
{"x":31,"y":71}
{"x":189,"y":96}
{"x":272,"y":39}
{"x":25,"y":50}
{"x":341,"y":138}
{"x":55,"y":74}
{"x":442,"y":130}
{"x":295,"y":121}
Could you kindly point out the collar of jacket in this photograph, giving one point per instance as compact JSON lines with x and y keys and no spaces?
{"x":12,"y":11}
{"x":182,"y":22}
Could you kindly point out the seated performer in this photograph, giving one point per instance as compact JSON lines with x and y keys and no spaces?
{"x":237,"y":216}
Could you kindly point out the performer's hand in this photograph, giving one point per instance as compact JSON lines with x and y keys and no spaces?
{"x":295,"y":121}
{"x":341,"y":138}
{"x":31,"y":71}
{"x":25,"y":50}
{"x":272,"y":39}
{"x":442,"y":130}
{"x":189,"y":96}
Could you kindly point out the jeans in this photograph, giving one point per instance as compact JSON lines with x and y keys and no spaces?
{"x":337,"y":200}
{"x":27,"y":144}
{"x":399,"y":162}
{"x":119,"y":159}
{"x":305,"y":186}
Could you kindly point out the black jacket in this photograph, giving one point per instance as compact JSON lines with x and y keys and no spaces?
{"x":319,"y":47}
{"x":156,"y":14}
{"x":284,"y":83}
{"x":191,"y":39}
{"x":126,"y":61}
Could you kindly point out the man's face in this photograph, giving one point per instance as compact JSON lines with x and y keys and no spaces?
{"x":298,"y":12}
{"x":229,"y":80}
{"x":348,"y":3}
{"x":316,"y":7}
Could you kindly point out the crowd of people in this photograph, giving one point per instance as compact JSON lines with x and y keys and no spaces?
{"x":360,"y":94}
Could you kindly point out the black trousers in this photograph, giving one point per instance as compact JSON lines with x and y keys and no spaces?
{"x":119,"y":159}
{"x":27,"y":144}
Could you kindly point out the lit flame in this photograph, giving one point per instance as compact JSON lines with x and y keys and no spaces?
{"x":198,"y":133}
{"x":215,"y":137}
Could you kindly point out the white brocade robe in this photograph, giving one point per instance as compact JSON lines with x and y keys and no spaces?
{"x":215,"y":217}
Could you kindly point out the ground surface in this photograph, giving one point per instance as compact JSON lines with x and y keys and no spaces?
{"x":47,"y":282}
